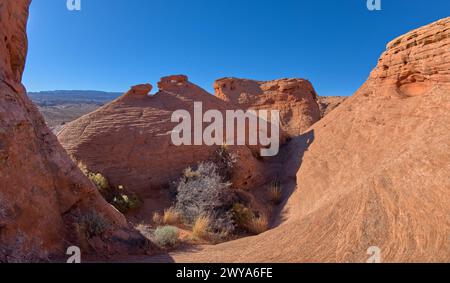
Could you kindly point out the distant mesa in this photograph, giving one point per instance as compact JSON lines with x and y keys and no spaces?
{"x":57,"y":97}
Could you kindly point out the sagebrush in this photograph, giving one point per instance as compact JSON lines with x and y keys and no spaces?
{"x":225,"y":162}
{"x":205,"y":192}
{"x":93,"y":224}
{"x":167,"y":236}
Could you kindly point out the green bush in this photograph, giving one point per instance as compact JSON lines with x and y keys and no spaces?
{"x":99,"y":181}
{"x":167,"y":236}
{"x":121,"y":199}
{"x":124,"y":203}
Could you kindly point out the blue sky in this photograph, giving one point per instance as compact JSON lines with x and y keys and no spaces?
{"x":112,"y":44}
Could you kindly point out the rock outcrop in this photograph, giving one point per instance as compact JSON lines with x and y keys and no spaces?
{"x":372,"y":173}
{"x":296,"y":100}
{"x":414,"y":64}
{"x":375,"y":172}
{"x":44,"y":197}
{"x":140,"y":90}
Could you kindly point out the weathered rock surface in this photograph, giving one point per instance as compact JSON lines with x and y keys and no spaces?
{"x":129,"y":140}
{"x":140,"y":90}
{"x":43,"y":195}
{"x":375,"y":172}
{"x":329,"y":103}
{"x":296,"y":100}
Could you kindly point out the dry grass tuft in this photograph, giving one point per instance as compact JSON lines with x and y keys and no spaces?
{"x":275,"y":193}
{"x":171,"y":217}
{"x":201,"y":227}
{"x":259,"y":224}
{"x":246,"y":219}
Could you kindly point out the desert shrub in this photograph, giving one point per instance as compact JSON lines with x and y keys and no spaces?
{"x":189,"y":173}
{"x":242,"y":215}
{"x":93,"y":224}
{"x":203,"y":192}
{"x":201,"y":227}
{"x":99,"y":181}
{"x":124,"y":203}
{"x":275,"y":192}
{"x":171,"y":217}
{"x":225,"y":162}
{"x":167,"y":236}
{"x":118,"y":197}
{"x":81,"y":165}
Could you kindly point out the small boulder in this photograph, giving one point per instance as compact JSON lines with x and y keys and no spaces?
{"x":142,"y":89}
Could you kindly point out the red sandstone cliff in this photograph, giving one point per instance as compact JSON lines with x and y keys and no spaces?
{"x":296,"y":100}
{"x":43,"y":196}
{"x":375,"y":172}
{"x":129,"y":140}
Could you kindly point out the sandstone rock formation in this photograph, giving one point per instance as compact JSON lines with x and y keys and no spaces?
{"x":43,"y":196}
{"x":140,"y":90}
{"x":329,"y":103}
{"x":129,"y":140}
{"x":296,"y":100}
{"x":372,"y":173}
{"x":375,"y":172}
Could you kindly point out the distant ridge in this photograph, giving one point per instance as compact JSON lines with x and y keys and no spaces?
{"x":47,"y":98}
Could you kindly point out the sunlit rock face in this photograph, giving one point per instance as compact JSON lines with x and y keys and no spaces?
{"x":130,"y":139}
{"x":43,"y":196}
{"x":373,"y":172}
{"x":296,"y":100}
